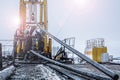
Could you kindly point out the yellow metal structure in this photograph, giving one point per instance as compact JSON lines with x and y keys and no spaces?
{"x":23,"y":46}
{"x":45,"y":44}
{"x":97,"y":53}
{"x":18,"y":47}
{"x":41,"y":13}
{"x":29,"y":19}
{"x":50,"y":45}
{"x":96,"y":49}
{"x":45,"y":15}
{"x":37,"y":44}
{"x":22,"y":15}
{"x":94,"y":54}
{"x":104,"y":49}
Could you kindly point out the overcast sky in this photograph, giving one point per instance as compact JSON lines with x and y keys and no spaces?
{"x":82,"y":19}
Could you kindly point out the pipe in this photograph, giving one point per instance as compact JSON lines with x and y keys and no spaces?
{"x":72,"y":76}
{"x":105,"y":70}
{"x":4,"y":74}
{"x":92,"y":75}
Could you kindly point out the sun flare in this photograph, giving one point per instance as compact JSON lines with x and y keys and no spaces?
{"x":81,"y":3}
{"x":16,"y":21}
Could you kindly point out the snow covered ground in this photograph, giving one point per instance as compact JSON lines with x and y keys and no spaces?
{"x":37,"y":72}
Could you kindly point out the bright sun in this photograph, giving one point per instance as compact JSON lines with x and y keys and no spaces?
{"x":16,"y":21}
{"x":81,"y":3}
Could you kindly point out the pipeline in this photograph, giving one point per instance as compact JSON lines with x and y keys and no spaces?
{"x":4,"y":74}
{"x":68,"y":73}
{"x":88,"y":74}
{"x":105,"y":70}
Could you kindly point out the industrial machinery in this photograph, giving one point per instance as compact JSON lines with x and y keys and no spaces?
{"x":63,"y":53}
{"x":28,"y":36}
{"x":33,"y":42}
{"x":97,"y":50}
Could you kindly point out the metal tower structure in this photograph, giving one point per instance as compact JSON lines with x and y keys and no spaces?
{"x":28,"y":36}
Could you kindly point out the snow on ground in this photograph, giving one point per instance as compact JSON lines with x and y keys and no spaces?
{"x":35,"y":72}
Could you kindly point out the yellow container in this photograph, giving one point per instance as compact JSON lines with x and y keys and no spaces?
{"x":104,"y":49}
{"x":94,"y":54}
{"x":97,"y":53}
